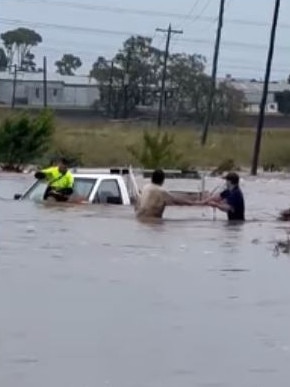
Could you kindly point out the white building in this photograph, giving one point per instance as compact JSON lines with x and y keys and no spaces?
{"x":253,"y":91}
{"x":75,"y":92}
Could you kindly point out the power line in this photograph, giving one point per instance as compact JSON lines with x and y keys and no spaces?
{"x":192,"y":9}
{"x":233,"y":44}
{"x":90,"y":50}
{"x":105,"y":8}
{"x":226,"y":63}
{"x":109,"y":32}
{"x":145,"y":12}
{"x":66,"y":27}
{"x":199,"y":16}
{"x":59,"y":50}
{"x":188,"y":18}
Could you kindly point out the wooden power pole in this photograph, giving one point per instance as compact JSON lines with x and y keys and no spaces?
{"x":13,"y":101}
{"x":169,"y":31}
{"x":214,"y":73}
{"x":260,"y":125}
{"x":45,"y":82}
{"x":110,"y":92}
{"x":127,"y":80}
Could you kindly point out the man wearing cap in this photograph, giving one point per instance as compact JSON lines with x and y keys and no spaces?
{"x":231,"y":200}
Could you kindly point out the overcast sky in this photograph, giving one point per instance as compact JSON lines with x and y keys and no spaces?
{"x":244,"y":41}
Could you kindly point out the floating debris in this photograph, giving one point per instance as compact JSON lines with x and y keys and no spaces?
{"x":255,"y":241}
{"x":282,"y":246}
{"x":284,"y":215}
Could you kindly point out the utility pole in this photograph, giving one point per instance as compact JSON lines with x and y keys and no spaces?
{"x":169,"y":31}
{"x":14,"y":87}
{"x":44,"y":82}
{"x":260,"y":125}
{"x":214,"y":73}
{"x":110,"y":88}
{"x":127,"y":81}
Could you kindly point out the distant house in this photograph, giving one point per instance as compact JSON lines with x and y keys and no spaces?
{"x":253,"y":90}
{"x":63,"y":92}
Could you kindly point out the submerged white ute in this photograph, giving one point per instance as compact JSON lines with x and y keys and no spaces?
{"x":112,"y":186}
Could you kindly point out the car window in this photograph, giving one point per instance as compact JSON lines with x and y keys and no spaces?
{"x":83,"y":187}
{"x":36,"y":192}
{"x":108,"y":192}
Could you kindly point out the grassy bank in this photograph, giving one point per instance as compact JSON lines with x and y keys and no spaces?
{"x":107,"y":144}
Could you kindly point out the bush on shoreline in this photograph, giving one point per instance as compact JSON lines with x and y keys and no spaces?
{"x":24,"y":139}
{"x":120,"y":144}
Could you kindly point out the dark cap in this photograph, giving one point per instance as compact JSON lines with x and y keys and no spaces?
{"x":232,"y":177}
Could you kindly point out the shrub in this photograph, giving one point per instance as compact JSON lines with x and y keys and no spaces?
{"x":24,"y":139}
{"x":156,"y":151}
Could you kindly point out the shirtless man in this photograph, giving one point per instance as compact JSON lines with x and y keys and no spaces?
{"x":154,"y":198}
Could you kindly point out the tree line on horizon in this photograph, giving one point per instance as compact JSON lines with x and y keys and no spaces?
{"x":132,"y":77}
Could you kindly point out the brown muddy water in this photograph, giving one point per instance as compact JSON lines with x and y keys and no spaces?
{"x":89,"y":297}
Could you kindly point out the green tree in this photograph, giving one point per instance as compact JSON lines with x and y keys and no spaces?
{"x":24,"y":139}
{"x":18,"y":44}
{"x":191,"y":88}
{"x":188,"y":81}
{"x":28,"y":63}
{"x":110,"y":79}
{"x":141,"y":61}
{"x":137,"y":65}
{"x":141,"y":65}
{"x":68,"y":64}
{"x":137,"y":75}
{"x":3,"y":60}
{"x":102,"y":70}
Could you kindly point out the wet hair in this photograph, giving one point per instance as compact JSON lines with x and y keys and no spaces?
{"x":158,"y":177}
{"x":233,"y":178}
{"x":64,"y":161}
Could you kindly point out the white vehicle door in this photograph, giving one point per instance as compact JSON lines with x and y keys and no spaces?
{"x":107,"y":192}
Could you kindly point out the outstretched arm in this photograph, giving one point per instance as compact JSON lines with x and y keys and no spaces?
{"x":174,"y":200}
{"x":213,"y":199}
{"x":43,"y":174}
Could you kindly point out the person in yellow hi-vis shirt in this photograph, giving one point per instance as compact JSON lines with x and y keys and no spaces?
{"x":60,"y":181}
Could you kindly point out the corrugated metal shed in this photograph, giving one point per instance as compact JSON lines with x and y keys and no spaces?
{"x":82,"y":80}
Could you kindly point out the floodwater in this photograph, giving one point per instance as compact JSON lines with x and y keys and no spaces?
{"x":89,"y":297}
